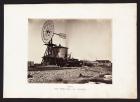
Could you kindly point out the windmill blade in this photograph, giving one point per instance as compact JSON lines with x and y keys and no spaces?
{"x":61,"y":35}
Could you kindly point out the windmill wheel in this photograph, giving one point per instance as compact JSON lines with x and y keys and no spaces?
{"x":47,"y":31}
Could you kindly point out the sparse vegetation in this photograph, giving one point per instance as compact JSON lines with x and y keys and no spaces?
{"x":58,"y":80}
{"x":70,"y":75}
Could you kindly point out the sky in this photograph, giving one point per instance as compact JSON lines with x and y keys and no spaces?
{"x":87,"y":39}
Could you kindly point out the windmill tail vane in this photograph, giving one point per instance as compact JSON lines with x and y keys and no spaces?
{"x":61,"y":35}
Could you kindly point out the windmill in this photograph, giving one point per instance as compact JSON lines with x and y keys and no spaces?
{"x":53,"y":53}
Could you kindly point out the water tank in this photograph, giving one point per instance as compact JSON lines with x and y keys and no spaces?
{"x":59,"y":52}
{"x":62,"y":52}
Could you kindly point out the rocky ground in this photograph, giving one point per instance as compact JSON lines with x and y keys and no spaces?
{"x":72,"y":75}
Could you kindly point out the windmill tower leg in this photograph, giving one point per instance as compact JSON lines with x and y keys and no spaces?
{"x":44,"y":62}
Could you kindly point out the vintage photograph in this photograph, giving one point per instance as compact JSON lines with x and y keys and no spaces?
{"x":78,"y":51}
{"x":70,"y":51}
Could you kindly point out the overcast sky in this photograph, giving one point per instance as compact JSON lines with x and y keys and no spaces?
{"x":87,"y":39}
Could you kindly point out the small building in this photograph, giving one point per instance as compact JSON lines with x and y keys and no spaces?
{"x":30,"y":63}
{"x":104,"y":63}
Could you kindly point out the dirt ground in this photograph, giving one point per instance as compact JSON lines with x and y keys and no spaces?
{"x":71,"y":75}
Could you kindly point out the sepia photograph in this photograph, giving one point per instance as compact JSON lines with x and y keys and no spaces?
{"x":67,"y":51}
{"x":70,"y":51}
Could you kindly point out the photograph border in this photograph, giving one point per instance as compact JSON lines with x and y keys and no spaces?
{"x":38,"y":2}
